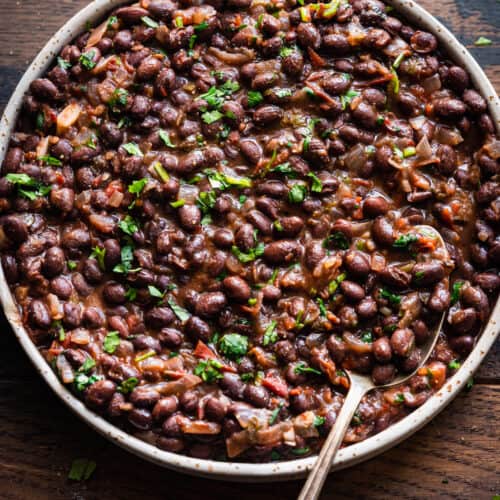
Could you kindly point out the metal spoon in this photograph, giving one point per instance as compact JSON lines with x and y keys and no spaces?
{"x":359,"y":386}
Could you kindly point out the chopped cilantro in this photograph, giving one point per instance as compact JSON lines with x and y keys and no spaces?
{"x":254,"y":97}
{"x":81,"y":469}
{"x":179,"y":311}
{"x":99,"y":254}
{"x":303,"y":368}
{"x":165,"y":138}
{"x":482,"y":41}
{"x":270,"y":334}
{"x":209,"y":370}
{"x":297,"y":193}
{"x":322,"y":308}
{"x":149,"y":22}
{"x":391,"y":297}
{"x":63,"y":64}
{"x":87,"y":59}
{"x":317,"y":185}
{"x":132,"y":149}
{"x":111,"y":342}
{"x":455,"y":291}
{"x":50,"y":160}
{"x":405,"y":240}
{"x":319,"y":421}
{"x":334,"y":284}
{"x":233,"y":345}
{"x":249,"y":256}
{"x":27,"y":186}
{"x":338,"y":239}
{"x":454,"y":365}
{"x":129,"y":225}
{"x":127,"y":386}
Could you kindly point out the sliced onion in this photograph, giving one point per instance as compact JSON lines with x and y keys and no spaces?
{"x":304,"y":425}
{"x":448,"y":135}
{"x":271,"y":436}
{"x":64,"y":368}
{"x":177,"y":387}
{"x":417,"y":122}
{"x":288,"y":434}
{"x":432,"y":84}
{"x":356,"y":157}
{"x":102,"y":223}
{"x":67,"y":117}
{"x":237,"y":443}
{"x":97,"y":34}
{"x":42,"y":147}
{"x":423,"y":148}
{"x":55,"y":307}
{"x":493,"y":148}
{"x":248,"y":416}
{"x":200,"y":427}
{"x":355,"y":344}
{"x":116,"y":198}
{"x":233,"y":58}
{"x":80,"y":336}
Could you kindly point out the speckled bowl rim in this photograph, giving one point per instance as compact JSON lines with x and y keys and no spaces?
{"x":275,"y":471}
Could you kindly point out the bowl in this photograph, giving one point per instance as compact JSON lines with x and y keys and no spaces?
{"x":275,"y":471}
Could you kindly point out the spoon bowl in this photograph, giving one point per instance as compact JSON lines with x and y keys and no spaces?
{"x":361,"y":384}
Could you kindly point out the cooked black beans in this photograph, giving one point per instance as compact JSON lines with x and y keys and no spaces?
{"x":221,"y":213}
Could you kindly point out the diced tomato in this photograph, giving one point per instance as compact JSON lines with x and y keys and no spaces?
{"x":203,"y":351}
{"x":276,"y":385}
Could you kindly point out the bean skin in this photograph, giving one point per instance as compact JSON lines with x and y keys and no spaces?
{"x":210,"y":303}
{"x":402,"y":342}
{"x":357,"y":263}
{"x":236,"y":288}
{"x":382,"y":350}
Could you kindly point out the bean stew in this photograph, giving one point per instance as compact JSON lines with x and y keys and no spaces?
{"x":209,"y":211}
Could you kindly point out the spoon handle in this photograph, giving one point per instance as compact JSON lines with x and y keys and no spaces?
{"x":317,"y":476}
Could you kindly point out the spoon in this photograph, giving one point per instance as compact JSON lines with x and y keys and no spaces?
{"x":359,"y":386}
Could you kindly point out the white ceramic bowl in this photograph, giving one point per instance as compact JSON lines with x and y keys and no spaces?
{"x":246,"y":471}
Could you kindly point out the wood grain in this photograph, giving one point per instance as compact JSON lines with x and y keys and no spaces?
{"x":455,"y":456}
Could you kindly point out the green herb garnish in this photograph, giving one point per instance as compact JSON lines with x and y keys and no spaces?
{"x":233,"y":345}
{"x":111,"y":342}
{"x":209,"y":370}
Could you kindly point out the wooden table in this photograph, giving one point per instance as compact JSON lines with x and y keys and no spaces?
{"x":455,"y":456}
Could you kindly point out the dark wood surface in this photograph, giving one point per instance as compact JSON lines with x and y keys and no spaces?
{"x":455,"y":456}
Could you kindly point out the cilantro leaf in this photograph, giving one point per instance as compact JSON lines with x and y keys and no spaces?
{"x":111,"y":342}
{"x":233,"y":345}
{"x":270,"y":334}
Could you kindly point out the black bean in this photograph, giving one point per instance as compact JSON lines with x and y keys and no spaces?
{"x":237,"y":288}
{"x":308,"y":35}
{"x":215,"y":409}
{"x":159,"y":317}
{"x":114,"y":293}
{"x":383,"y":374}
{"x":382,"y":350}
{"x":15,"y":229}
{"x":232,"y":385}
{"x":38,"y":315}
{"x":165,"y":407}
{"x":256,"y":395}
{"x":210,"y":303}
{"x":189,"y":217}
{"x":198,"y":329}
{"x":264,"y":115}
{"x":383,"y":232}
{"x":402,"y":342}
{"x":352,"y":291}
{"x":357,"y":263}
{"x":449,"y":108}
{"x":280,"y":252}
{"x":251,"y":150}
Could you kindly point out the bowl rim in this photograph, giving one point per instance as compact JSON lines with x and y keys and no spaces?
{"x":236,"y":471}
